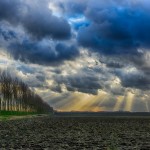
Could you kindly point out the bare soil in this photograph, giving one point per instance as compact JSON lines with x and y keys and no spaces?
{"x":77,"y":133}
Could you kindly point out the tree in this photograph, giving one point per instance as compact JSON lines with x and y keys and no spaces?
{"x":15,"y":95}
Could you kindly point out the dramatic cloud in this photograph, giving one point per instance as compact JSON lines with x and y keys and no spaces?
{"x":84,"y":55}
{"x":81,"y":83}
{"x":135,"y":79}
{"x":35,"y":17}
{"x":41,"y":52}
{"x":116,"y":27}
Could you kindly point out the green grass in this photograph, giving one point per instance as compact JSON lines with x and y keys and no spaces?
{"x":6,"y":115}
{"x":16,"y":113}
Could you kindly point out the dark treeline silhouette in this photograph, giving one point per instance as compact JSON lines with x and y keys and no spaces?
{"x":101,"y":114}
{"x":15,"y":95}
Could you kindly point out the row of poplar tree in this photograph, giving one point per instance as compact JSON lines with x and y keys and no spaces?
{"x":15,"y":95}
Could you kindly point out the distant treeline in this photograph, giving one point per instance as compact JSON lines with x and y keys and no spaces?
{"x":102,"y":114}
{"x":15,"y":95}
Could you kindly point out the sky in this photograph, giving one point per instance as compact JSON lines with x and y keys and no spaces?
{"x":78,"y":55}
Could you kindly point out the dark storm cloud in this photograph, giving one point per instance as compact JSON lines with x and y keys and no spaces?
{"x":66,"y":52}
{"x":9,"y":10}
{"x":41,"y":23}
{"x":7,"y":34}
{"x":41,"y":78}
{"x":41,"y":52}
{"x":31,"y":33}
{"x":114,"y":65}
{"x":72,"y":8}
{"x":141,"y":62}
{"x":81,"y":83}
{"x":35,"y":17}
{"x":137,"y":80}
{"x":29,"y":30}
{"x":116,"y":27}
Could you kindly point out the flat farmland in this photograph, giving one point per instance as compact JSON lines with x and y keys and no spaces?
{"x":61,"y":133}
